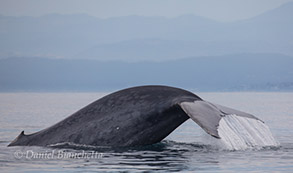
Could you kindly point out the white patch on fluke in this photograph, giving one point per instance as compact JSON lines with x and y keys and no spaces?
{"x":240,"y":133}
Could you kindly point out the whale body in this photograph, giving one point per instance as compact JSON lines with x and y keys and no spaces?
{"x":132,"y":117}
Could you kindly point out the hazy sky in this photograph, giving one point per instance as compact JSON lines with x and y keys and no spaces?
{"x":222,"y":10}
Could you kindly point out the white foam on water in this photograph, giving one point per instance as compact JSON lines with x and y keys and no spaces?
{"x":240,"y":133}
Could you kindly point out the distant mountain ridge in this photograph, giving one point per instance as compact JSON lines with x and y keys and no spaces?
{"x":83,"y":53}
{"x":136,"y":38}
{"x":238,"y":72}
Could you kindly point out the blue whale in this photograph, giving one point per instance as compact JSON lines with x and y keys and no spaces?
{"x":131,"y":117}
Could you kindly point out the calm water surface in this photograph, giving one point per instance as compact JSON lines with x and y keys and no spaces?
{"x":186,"y":149}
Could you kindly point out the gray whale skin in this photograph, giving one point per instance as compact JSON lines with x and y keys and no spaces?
{"x":131,"y":117}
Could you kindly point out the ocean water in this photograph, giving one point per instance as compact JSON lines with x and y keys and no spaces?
{"x":188,"y":148}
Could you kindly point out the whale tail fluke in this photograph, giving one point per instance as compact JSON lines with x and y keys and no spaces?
{"x":206,"y":115}
{"x":235,"y":129}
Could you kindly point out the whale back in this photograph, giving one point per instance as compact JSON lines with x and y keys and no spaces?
{"x":130,"y":117}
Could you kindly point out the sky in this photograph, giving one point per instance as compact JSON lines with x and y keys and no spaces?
{"x":220,"y":10}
